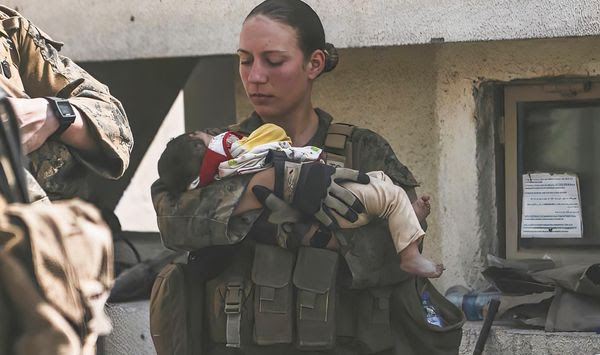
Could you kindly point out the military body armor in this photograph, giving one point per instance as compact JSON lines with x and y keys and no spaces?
{"x":264,"y":299}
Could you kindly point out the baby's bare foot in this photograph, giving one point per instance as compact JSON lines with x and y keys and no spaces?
{"x":422,"y":207}
{"x":419,"y":265}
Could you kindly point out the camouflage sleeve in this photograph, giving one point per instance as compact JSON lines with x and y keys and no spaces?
{"x":372,"y":152}
{"x":46,"y":73}
{"x":368,"y":250}
{"x":202,"y":217}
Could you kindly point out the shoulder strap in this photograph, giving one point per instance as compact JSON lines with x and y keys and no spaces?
{"x":338,"y":145}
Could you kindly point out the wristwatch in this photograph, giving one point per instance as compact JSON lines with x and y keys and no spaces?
{"x":64,"y":112}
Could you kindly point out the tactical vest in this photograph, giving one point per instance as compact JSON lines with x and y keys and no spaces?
{"x":285,"y":297}
{"x":338,"y":145}
{"x":270,"y":300}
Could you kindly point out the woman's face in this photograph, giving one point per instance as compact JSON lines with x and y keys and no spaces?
{"x":276,"y":77}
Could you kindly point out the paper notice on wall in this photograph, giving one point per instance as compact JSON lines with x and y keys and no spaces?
{"x":551,"y":206}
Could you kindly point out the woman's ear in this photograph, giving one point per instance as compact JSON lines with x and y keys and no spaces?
{"x":316,"y":64}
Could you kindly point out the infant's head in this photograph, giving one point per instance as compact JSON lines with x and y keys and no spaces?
{"x":180,"y":163}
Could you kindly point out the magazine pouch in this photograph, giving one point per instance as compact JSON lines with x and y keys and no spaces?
{"x":373,"y":325}
{"x":314,"y":278}
{"x":272,"y":274}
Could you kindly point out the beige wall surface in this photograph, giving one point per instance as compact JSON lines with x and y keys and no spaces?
{"x":421,"y":99}
{"x":459,"y":68}
{"x":113,"y":29}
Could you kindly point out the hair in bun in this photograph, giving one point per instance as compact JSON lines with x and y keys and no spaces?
{"x":331,"y":57}
{"x":300,"y":16}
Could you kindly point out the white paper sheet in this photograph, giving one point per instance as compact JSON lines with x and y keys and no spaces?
{"x":551,"y":206}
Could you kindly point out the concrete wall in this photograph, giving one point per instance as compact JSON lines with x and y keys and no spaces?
{"x":421,"y":98}
{"x":460,"y":68}
{"x":114,"y":29}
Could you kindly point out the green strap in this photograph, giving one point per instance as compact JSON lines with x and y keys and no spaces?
{"x":338,"y":145}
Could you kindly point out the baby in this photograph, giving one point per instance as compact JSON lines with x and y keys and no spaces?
{"x":197,"y":159}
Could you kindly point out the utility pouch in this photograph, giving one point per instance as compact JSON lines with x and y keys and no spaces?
{"x":272,"y":274}
{"x":414,"y":334}
{"x":169,"y":312}
{"x":373,"y":325}
{"x":230,"y":311}
{"x":314,"y":277}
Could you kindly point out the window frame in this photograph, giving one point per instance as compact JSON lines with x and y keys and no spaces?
{"x":567,"y":91}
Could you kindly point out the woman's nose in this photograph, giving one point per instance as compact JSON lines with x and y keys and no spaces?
{"x":257,"y":74}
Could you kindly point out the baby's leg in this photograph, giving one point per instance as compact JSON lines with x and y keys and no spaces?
{"x":383,"y":199}
{"x":422,"y":207}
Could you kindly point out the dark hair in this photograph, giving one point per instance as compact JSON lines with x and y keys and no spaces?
{"x":301,"y":17}
{"x":180,"y":163}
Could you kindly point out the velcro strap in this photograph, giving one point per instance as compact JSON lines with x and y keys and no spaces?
{"x":341,"y":128}
{"x":278,"y":160}
{"x":290,"y":180}
{"x":233,"y":307}
{"x":336,"y":141}
{"x":233,"y":330}
{"x":287,"y":175}
{"x":338,"y":145}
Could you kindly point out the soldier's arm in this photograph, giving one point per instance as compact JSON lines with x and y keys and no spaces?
{"x":38,"y":122}
{"x":202,"y":217}
{"x":377,"y":154}
{"x":101,"y":135}
{"x":369,"y":250}
{"x":373,"y":152}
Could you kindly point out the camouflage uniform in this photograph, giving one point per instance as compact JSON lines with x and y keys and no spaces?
{"x":202,"y":217}
{"x":32,"y":67}
{"x":190,"y":221}
{"x":56,"y":273}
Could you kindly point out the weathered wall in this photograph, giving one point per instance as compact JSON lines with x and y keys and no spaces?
{"x":459,"y":67}
{"x":114,"y":29}
{"x":421,"y":99}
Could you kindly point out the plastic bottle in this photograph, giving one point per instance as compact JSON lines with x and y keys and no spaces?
{"x":473,"y":304}
{"x":432,"y":316}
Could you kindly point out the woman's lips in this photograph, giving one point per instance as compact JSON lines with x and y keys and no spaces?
{"x":260,"y":98}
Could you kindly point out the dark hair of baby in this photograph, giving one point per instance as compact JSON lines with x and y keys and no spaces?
{"x":180,"y":163}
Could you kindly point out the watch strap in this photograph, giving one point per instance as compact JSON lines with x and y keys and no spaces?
{"x":64,"y":121}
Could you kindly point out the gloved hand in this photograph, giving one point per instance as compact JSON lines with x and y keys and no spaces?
{"x":313,"y":188}
{"x":281,"y":214}
{"x":291,"y":227}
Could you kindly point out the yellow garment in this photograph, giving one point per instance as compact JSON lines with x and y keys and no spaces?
{"x":266,"y":133}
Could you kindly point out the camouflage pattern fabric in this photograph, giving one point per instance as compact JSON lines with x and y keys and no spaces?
{"x":201,"y":218}
{"x":55,"y":276}
{"x":190,"y":220}
{"x":35,"y":69}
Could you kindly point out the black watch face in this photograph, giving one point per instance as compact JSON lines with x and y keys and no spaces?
{"x":65,"y":108}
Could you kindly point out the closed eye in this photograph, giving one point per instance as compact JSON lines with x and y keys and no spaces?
{"x":274,"y":63}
